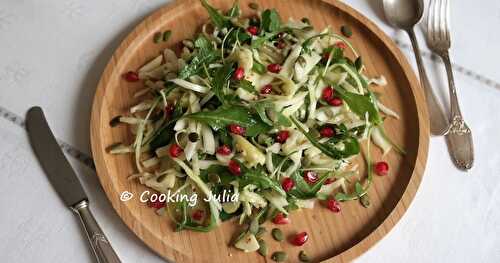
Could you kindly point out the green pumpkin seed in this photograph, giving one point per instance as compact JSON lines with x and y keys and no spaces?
{"x":115,"y":121}
{"x":303,"y":257}
{"x":193,"y":137}
{"x":166,"y":35}
{"x":279,"y":256}
{"x":306,"y":20}
{"x":346,"y":31}
{"x":157,"y":37}
{"x":365,"y":200}
{"x":262,"y":230}
{"x":277,"y":234}
{"x":262,"y":247}
{"x":358,"y":63}
{"x":253,"y":6}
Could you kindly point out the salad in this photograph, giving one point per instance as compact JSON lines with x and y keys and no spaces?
{"x":273,"y":112}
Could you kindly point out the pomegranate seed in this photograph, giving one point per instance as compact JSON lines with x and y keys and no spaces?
{"x":236,"y":129}
{"x":175,"y":150}
{"x":280,"y":44}
{"x":326,"y":56}
{"x":224,"y":150}
{"x":156,"y":204}
{"x":253,"y":30}
{"x":274,"y":68}
{"x":329,"y":181}
{"x":198,"y":215}
{"x":282,"y":136}
{"x":336,"y":101}
{"x":333,"y":205}
{"x":327,"y":132}
{"x":381,"y":168}
{"x":131,"y":76}
{"x":310,"y":177}
{"x":287,"y":184}
{"x":300,"y":239}
{"x":239,"y":73}
{"x":234,"y":167}
{"x":341,"y":45}
{"x":327,"y":93}
{"x":267,"y":89}
{"x":280,"y":219}
{"x":169,"y":109}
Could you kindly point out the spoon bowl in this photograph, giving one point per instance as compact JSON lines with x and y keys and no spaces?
{"x":403,"y":14}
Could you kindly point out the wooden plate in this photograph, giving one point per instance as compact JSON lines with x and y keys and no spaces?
{"x":338,"y":237}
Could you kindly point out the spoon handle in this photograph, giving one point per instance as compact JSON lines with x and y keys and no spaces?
{"x":438,"y":122}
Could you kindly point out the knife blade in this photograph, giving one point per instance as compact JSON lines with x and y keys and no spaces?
{"x":65,"y":181}
{"x":55,"y":165}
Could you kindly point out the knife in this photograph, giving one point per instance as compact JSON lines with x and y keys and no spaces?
{"x":64,"y":180}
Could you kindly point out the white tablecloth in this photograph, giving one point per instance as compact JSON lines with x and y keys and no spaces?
{"x":52,"y":53}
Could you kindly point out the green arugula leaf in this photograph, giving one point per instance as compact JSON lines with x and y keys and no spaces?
{"x":235,"y":9}
{"x":302,"y":189}
{"x":259,"y":41}
{"x":231,"y":114}
{"x":165,"y":133}
{"x":248,"y":86}
{"x":360,"y":104}
{"x":351,"y":145}
{"x":220,"y":81}
{"x":271,"y":20}
{"x":205,"y":54}
{"x":217,"y":18}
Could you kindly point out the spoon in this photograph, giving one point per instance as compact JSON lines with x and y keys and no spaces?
{"x":405,"y":14}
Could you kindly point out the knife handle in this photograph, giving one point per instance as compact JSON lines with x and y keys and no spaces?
{"x":98,"y":241}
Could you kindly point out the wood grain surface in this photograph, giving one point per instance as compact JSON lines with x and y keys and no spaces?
{"x":333,"y":237}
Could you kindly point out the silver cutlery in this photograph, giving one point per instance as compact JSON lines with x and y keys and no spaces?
{"x":66,"y":183}
{"x":459,"y":136}
{"x":405,"y":14}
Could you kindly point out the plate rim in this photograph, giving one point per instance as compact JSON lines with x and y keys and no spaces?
{"x":347,"y":255}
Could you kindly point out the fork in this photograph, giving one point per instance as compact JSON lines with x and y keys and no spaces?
{"x":459,"y":136}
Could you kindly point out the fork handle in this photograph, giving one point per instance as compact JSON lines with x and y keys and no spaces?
{"x":438,"y":122}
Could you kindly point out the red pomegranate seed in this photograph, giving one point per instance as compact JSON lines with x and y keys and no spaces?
{"x":327,"y":93}
{"x":326,"y":56}
{"x":336,"y":101}
{"x":287,"y":184}
{"x":310,"y":177}
{"x":234,"y":167}
{"x":239,"y":73}
{"x":341,"y":45}
{"x":267,"y":89}
{"x":327,"y":132}
{"x":333,"y":205}
{"x":169,"y":109}
{"x":300,"y":239}
{"x":253,"y":30}
{"x":175,"y":150}
{"x":224,"y":150}
{"x":156,"y":204}
{"x":280,"y":44}
{"x":198,"y":215}
{"x":131,"y":76}
{"x":381,"y":168}
{"x":236,"y":129}
{"x":274,"y":68}
{"x":280,"y":219}
{"x":329,"y":181}
{"x":282,"y":136}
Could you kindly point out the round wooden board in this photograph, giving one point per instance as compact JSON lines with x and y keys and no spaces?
{"x":334,"y":237}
